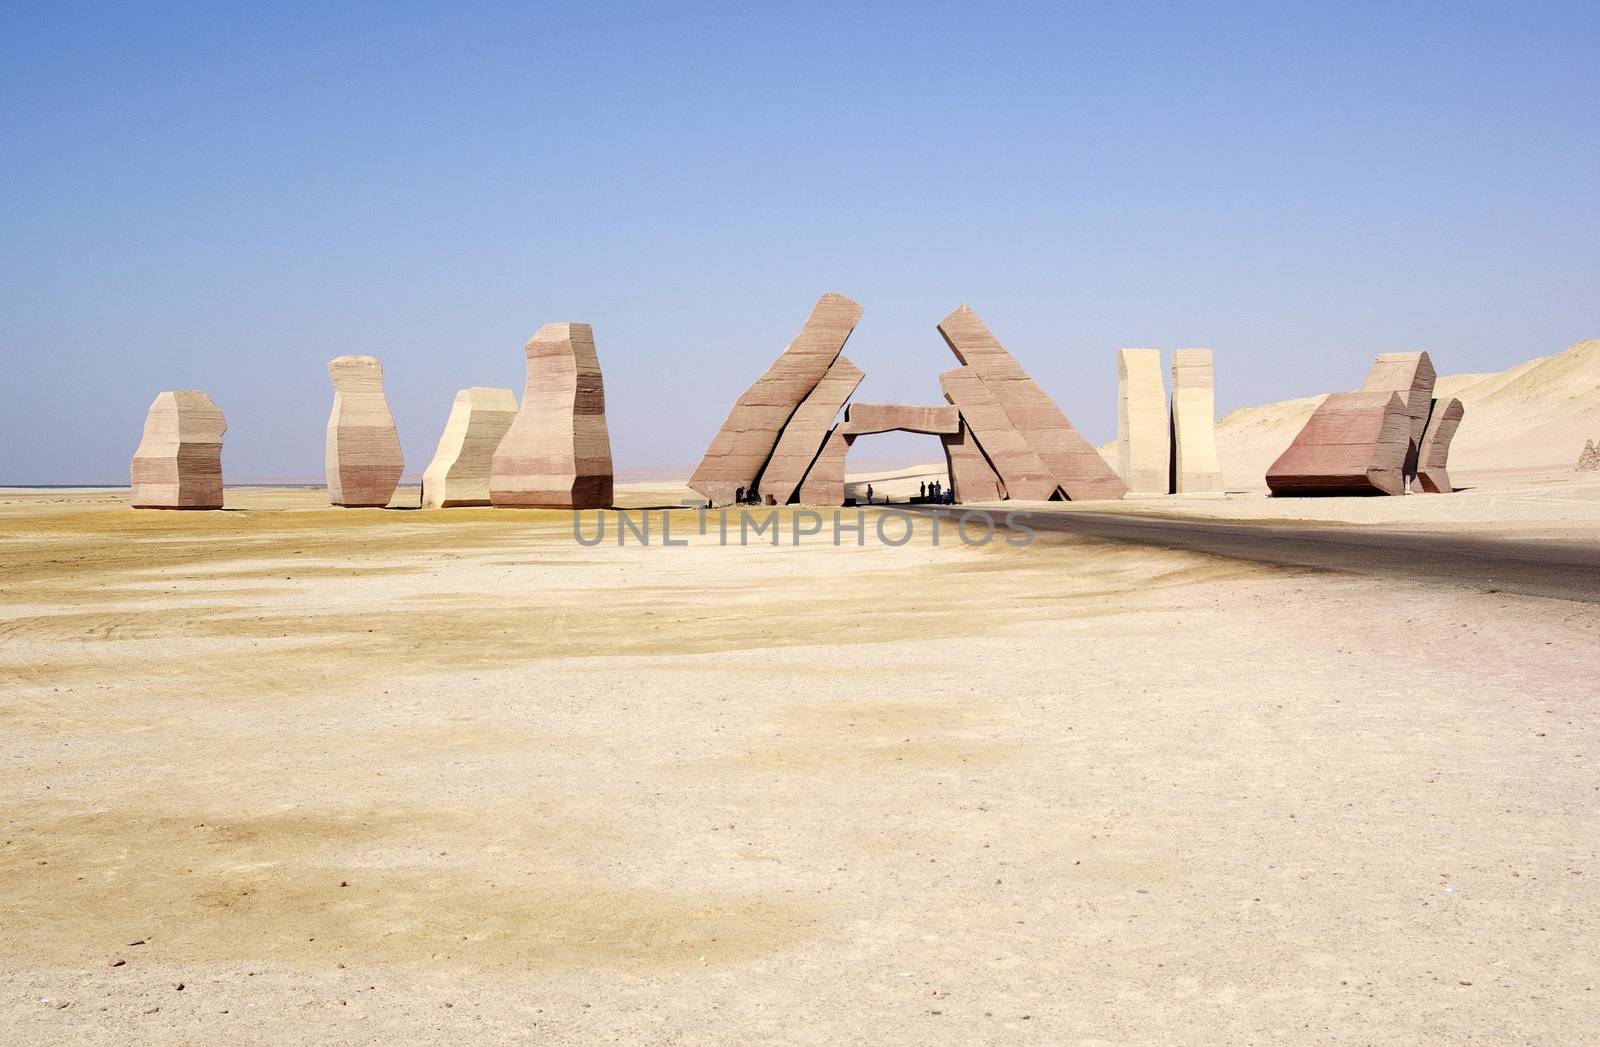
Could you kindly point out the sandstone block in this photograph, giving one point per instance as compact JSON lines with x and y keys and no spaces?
{"x":1353,"y":444}
{"x":1019,"y":468}
{"x":972,"y":478}
{"x":1196,"y":469}
{"x":178,"y":464}
{"x":748,"y":436}
{"x":824,"y":482}
{"x":1077,"y":468}
{"x":1412,"y":376}
{"x":556,"y":454}
{"x":1144,"y":434}
{"x":807,"y":430}
{"x":1433,"y":458}
{"x":363,"y":456}
{"x":459,"y":472}
{"x":862,"y":419}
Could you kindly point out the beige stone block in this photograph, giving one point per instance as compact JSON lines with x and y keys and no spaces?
{"x":1433,"y":458}
{"x":1021,"y":471}
{"x":1353,"y":444}
{"x":178,"y":464}
{"x":1196,"y":468}
{"x":459,"y":472}
{"x":806,"y":431}
{"x":972,"y":478}
{"x":362,"y":453}
{"x":1144,"y":434}
{"x":557,"y":452}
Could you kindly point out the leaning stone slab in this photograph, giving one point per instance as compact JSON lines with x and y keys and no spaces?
{"x":972,"y":478}
{"x":459,"y":472}
{"x":807,"y":430}
{"x":1412,"y":376}
{"x":1196,"y":469}
{"x":1433,"y":475}
{"x":362,"y":453}
{"x":1353,"y":444}
{"x":557,"y":452}
{"x":178,"y":464}
{"x":748,"y":436}
{"x":1144,"y":434}
{"x":824,"y":482}
{"x":1025,"y":477}
{"x":1078,"y":469}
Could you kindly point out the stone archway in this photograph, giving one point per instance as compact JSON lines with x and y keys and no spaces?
{"x":972,"y":479}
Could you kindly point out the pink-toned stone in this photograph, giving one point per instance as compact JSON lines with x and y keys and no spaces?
{"x":1024,"y":475}
{"x":1412,"y":376}
{"x":178,"y":464}
{"x":824,"y":482}
{"x":1077,"y":468}
{"x":747,"y":438}
{"x":861,"y":419}
{"x":972,"y":478}
{"x":806,"y":432}
{"x":362,"y":454}
{"x":557,"y":453}
{"x":1433,"y":476}
{"x":1353,"y":444}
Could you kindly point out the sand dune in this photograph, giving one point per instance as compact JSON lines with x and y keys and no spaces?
{"x":1530,"y":421}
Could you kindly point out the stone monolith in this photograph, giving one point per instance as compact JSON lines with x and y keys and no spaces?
{"x":178,"y":464}
{"x":1144,"y":435}
{"x":557,"y":452}
{"x":1196,"y":469}
{"x":1412,"y":376}
{"x":824,"y":482}
{"x":748,"y":436}
{"x":1077,"y":468}
{"x":1433,"y":457}
{"x":972,"y":478}
{"x":363,"y":456}
{"x":1353,"y":444}
{"x":807,"y":430}
{"x":1020,"y":469}
{"x":459,"y":472}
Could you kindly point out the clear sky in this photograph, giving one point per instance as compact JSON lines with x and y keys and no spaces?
{"x":225,"y":196}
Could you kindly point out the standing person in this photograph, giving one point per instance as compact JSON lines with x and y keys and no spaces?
{"x":922,"y":489}
{"x":869,"y":494}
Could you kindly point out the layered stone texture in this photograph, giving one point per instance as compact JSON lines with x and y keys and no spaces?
{"x":807,"y":431}
{"x":1433,"y":457}
{"x":459,"y":472}
{"x":1196,"y":469}
{"x":1143,"y":432}
{"x":1353,"y":444}
{"x":362,"y":457}
{"x":824,"y":482}
{"x":178,"y":463}
{"x":1022,"y":472}
{"x":862,"y":419}
{"x":1078,"y":470}
{"x":1412,"y":376}
{"x":972,"y":478}
{"x":557,"y":452}
{"x":750,"y":433}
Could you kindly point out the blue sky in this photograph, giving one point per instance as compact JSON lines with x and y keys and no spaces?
{"x":225,"y":196}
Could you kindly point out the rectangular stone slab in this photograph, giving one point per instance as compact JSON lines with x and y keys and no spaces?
{"x":807,"y":430}
{"x":1433,"y":459}
{"x":824,"y":482}
{"x":972,"y":478}
{"x":861,"y":419}
{"x":459,"y":472}
{"x":1412,"y":376}
{"x":362,"y":453}
{"x":1353,"y":444}
{"x":1196,"y":469}
{"x":1078,"y":469}
{"x":1024,"y":475}
{"x":749,"y":435}
{"x":1144,"y":435}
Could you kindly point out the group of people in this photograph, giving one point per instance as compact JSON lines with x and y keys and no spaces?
{"x":935,"y":492}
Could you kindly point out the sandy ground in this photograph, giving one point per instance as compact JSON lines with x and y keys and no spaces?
{"x":354,"y":776}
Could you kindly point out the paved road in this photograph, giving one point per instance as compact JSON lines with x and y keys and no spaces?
{"x":1559,"y":570}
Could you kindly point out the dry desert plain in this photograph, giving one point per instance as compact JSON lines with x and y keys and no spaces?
{"x":294,"y":774}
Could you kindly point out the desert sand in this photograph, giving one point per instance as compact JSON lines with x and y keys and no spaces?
{"x":295,"y":774}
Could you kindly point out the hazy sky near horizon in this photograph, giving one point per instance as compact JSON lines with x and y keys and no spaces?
{"x":225,"y":196}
